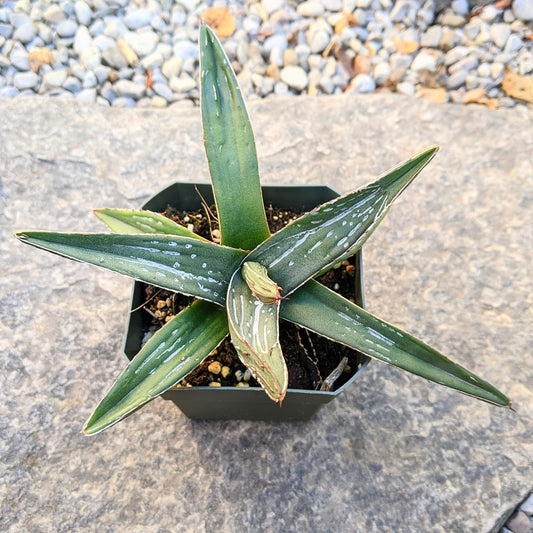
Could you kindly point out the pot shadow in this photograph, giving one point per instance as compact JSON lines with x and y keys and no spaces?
{"x":278,"y":470}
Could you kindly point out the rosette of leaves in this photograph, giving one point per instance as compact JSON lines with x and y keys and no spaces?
{"x":250,"y":281}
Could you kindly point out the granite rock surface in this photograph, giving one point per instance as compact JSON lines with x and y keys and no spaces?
{"x":452,"y":264}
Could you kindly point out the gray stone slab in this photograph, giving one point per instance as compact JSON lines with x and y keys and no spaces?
{"x":451,"y":264}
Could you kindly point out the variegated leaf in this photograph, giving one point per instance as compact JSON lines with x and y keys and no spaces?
{"x":190,"y":266}
{"x":335,"y":230}
{"x":174,"y":351}
{"x":253,"y":326}
{"x":131,"y":221}
{"x":230,"y":148}
{"x":325,"y":312}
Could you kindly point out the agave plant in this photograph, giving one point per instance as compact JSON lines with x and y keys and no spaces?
{"x":244,"y":285}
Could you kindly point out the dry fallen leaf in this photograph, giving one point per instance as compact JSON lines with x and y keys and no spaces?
{"x":149,"y":82}
{"x":517,"y":86}
{"x":221,"y":20}
{"x":479,"y":96}
{"x":39,"y":57}
{"x":491,"y":103}
{"x":435,"y":96}
{"x":404,"y":47}
{"x":344,"y":59}
{"x":503,"y":4}
{"x":347,"y":19}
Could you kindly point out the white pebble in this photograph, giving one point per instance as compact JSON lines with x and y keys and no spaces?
{"x":143,"y":43}
{"x":455,"y":54}
{"x":86,"y":95}
{"x":496,"y":70}
{"x":523,"y":10}
{"x":500,"y":33}
{"x":489,"y":13}
{"x":82,"y":40}
{"x":54,"y":78}
{"x":90,"y":57}
{"x":25,"y":33}
{"x":456,"y":79}
{"x":53,"y":14}
{"x":363,"y":83}
{"x":318,"y":41}
{"x":311,"y":8}
{"x":406,"y":88}
{"x":172,"y":67}
{"x":137,"y":18}
{"x":66,"y":28}
{"x":115,"y":28}
{"x":514,"y":44}
{"x":424,"y":61}
{"x":431,"y":37}
{"x":382,"y":71}
{"x":25,"y":80}
{"x":460,"y":7}
{"x":19,"y":57}
{"x":483,"y":70}
{"x":129,"y":88}
{"x":295,"y":77}
{"x":83,"y":12}
{"x":182,"y":84}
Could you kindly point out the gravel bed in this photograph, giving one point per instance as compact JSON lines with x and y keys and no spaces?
{"x":144,"y":52}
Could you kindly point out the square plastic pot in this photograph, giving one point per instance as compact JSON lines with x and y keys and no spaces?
{"x":247,"y":403}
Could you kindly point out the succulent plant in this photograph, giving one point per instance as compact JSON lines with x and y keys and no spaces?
{"x":252,"y":279}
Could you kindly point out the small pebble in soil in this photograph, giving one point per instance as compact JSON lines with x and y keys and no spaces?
{"x":215,"y":368}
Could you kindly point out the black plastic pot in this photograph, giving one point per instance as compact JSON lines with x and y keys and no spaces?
{"x":227,"y":403}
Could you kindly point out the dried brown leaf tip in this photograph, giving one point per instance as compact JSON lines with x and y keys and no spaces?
{"x":220,"y":20}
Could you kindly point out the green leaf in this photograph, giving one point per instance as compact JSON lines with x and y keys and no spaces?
{"x":253,"y":326}
{"x":335,"y":230}
{"x":174,"y":351}
{"x":190,"y":266}
{"x":317,"y":308}
{"x":230,"y":148}
{"x":132,"y":221}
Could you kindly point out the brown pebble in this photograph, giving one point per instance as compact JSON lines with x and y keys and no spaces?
{"x":215,"y":384}
{"x":215,"y":368}
{"x":161,"y":304}
{"x":226,"y":371}
{"x":519,"y":523}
